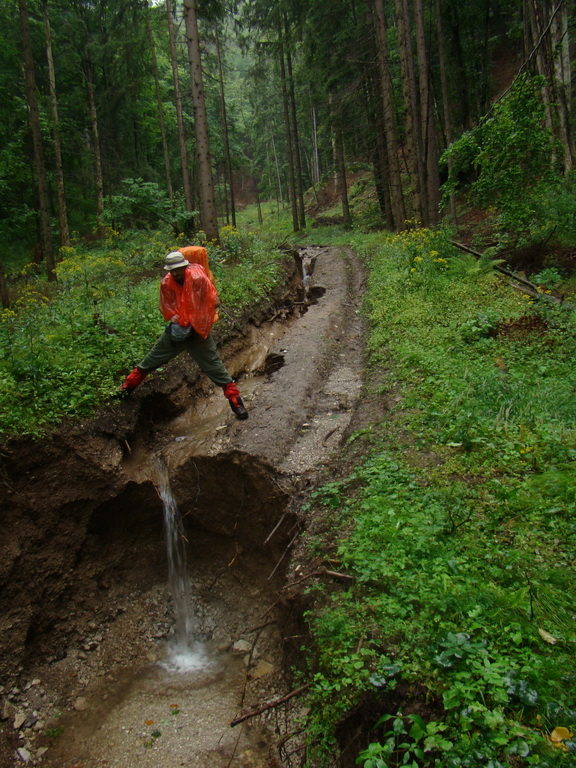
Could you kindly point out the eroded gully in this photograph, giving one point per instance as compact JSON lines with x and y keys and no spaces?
{"x":94,"y":681}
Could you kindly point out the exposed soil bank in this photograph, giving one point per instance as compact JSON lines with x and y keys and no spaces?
{"x":86,"y":617}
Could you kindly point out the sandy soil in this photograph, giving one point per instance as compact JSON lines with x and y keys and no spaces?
{"x":87,"y":627}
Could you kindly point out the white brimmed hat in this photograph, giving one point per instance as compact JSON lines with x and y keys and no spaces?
{"x":175,"y":260}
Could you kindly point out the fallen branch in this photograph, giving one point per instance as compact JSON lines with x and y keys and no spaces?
{"x":321,"y":572}
{"x":338,"y":575}
{"x":270,"y":705}
{"x":532,"y":288}
{"x":289,"y":736}
{"x":284,"y":554}
{"x":262,"y":626}
{"x":329,"y":434}
{"x":278,"y":524}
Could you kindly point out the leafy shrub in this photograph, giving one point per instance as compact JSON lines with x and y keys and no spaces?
{"x":508,"y":157}
{"x":555,"y":212}
{"x":550,"y":278}
{"x":364,"y":204}
{"x":145,"y":203}
{"x":482,"y":326}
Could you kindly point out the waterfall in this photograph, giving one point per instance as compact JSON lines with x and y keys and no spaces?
{"x":184,"y":653}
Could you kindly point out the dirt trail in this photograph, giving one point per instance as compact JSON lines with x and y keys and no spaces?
{"x":86,"y":658}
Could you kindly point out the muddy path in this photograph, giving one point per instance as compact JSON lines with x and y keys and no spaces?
{"x":91,"y":676}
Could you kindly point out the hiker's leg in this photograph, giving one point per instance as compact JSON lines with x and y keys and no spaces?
{"x":162,"y":352}
{"x":205,"y":354}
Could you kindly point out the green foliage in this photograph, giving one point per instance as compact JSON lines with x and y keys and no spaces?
{"x":471,"y":267}
{"x":364,"y":205}
{"x":483,"y":325}
{"x":402,"y":744}
{"x":555,"y":212}
{"x":506,"y":159}
{"x":145,"y":203}
{"x":462,"y":538}
{"x":549,"y":277}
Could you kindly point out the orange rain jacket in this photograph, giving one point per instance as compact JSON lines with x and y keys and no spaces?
{"x":194,"y":302}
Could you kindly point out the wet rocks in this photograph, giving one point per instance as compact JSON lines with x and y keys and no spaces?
{"x":24,"y":754}
{"x":7,"y":709}
{"x":19,"y":720}
{"x":81,"y":704}
{"x":241,"y":647}
{"x":262,"y":669}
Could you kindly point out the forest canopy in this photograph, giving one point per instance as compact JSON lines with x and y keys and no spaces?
{"x":102,"y":125}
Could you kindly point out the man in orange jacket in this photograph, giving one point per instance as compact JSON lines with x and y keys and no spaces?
{"x":188,"y":301}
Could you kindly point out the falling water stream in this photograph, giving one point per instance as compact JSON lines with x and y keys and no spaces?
{"x":184,"y":652}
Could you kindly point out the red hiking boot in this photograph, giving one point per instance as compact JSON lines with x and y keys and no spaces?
{"x":232,"y":392}
{"x":132,"y":381}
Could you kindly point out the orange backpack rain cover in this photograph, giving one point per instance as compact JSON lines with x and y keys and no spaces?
{"x":196,"y":254}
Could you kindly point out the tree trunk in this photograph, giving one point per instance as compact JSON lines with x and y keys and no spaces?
{"x":536,"y":31}
{"x":297,"y":161}
{"x":429,"y":138}
{"x":179,"y":119}
{"x":527,"y":36}
{"x":379,"y":152}
{"x":207,"y":201}
{"x":340,"y":156}
{"x":448,"y":130}
{"x":160,"y":108}
{"x":289,"y":155}
{"x":222,"y":190}
{"x":62,"y":213}
{"x":553,"y":93}
{"x":96,"y":142}
{"x":258,"y":206}
{"x":390,"y":135}
{"x":316,"y":154}
{"x":461,"y":74}
{"x":340,"y":162}
{"x":227,"y":158}
{"x":381,"y":176}
{"x":560,"y":33}
{"x":4,"y":295}
{"x":278,"y":177}
{"x":34,"y":115}
{"x":412,"y":111}
{"x":564,"y":70}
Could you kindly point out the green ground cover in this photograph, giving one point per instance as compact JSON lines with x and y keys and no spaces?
{"x":459,"y":526}
{"x":64,"y":347}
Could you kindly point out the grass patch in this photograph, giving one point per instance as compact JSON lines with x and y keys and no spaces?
{"x":459,"y":527}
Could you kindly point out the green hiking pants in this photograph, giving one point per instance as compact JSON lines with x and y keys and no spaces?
{"x":203,"y":351}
